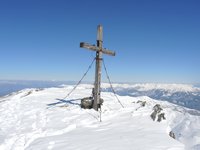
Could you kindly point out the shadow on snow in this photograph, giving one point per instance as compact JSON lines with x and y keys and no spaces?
{"x":63,"y":102}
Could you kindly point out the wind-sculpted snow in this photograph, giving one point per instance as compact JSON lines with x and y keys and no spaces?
{"x":180,"y":94}
{"x":39,"y":119}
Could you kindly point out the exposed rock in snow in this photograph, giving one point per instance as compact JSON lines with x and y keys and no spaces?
{"x":157,"y":113}
{"x":171,"y":134}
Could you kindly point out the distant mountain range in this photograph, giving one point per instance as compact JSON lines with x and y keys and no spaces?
{"x":181,"y":94}
{"x":9,"y":86}
{"x":186,"y":95}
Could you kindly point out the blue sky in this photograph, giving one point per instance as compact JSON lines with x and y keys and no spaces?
{"x":155,"y":40}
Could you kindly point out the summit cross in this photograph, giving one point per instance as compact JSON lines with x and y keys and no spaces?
{"x":99,"y":51}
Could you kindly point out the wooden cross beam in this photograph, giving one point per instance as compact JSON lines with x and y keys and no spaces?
{"x":94,"y":48}
{"x":99,"y":50}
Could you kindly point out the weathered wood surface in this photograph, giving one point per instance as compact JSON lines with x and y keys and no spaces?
{"x":99,"y":51}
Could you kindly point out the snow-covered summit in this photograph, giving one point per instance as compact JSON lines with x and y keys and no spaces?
{"x":42,"y":119}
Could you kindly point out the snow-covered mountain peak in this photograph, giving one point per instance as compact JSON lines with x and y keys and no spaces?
{"x":180,"y":94}
{"x":156,"y":86}
{"x":41,"y":119}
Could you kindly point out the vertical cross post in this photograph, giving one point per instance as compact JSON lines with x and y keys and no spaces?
{"x":97,"y":86}
{"x":99,"y":50}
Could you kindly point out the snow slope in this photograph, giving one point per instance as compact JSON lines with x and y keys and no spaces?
{"x":38,"y":119}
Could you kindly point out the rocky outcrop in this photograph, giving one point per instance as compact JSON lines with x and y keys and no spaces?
{"x":157,"y":113}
